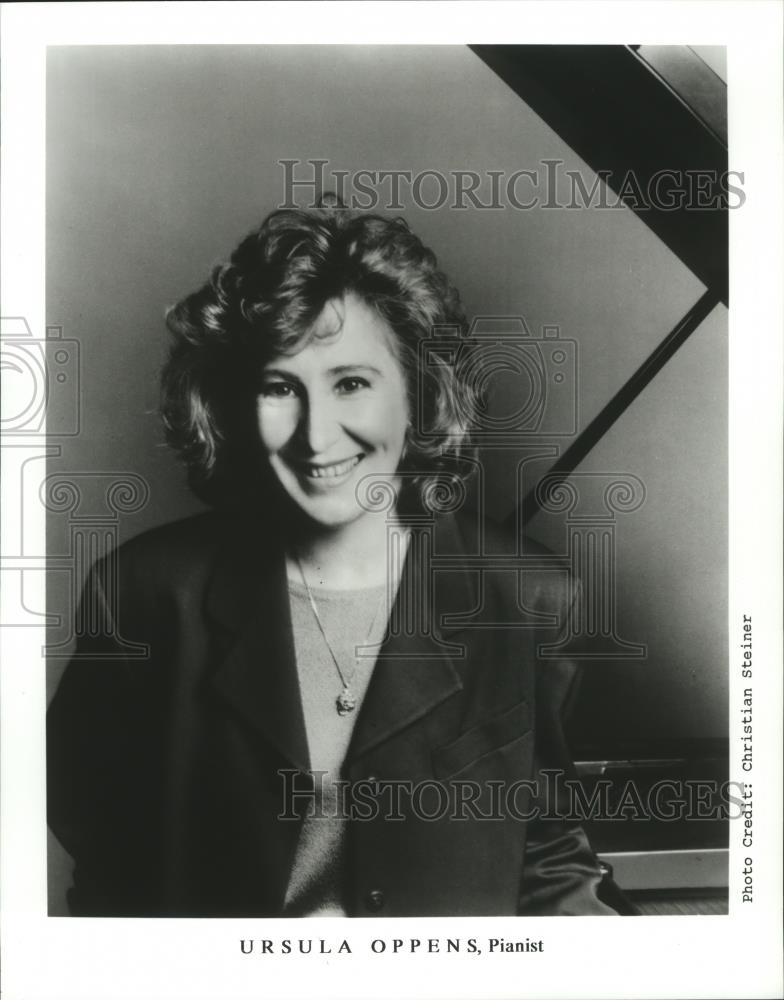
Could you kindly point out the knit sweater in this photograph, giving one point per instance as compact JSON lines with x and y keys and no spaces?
{"x":350,"y":619}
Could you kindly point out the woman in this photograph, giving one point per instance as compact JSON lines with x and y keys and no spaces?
{"x":305,"y":709}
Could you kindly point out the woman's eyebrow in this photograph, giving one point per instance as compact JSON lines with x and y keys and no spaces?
{"x":344,"y":369}
{"x":280,"y":373}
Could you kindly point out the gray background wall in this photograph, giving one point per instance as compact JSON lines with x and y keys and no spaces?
{"x":160,"y":158}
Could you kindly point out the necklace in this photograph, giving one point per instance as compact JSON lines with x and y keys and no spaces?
{"x":346,"y":701}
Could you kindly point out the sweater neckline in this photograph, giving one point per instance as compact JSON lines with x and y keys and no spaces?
{"x":354,"y":593}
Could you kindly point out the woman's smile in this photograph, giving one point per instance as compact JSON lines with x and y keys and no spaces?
{"x":333,"y":473}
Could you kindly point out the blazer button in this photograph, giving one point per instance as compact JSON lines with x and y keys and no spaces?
{"x":374,"y":901}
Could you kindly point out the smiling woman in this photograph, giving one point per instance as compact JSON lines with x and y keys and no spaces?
{"x":299,"y":663}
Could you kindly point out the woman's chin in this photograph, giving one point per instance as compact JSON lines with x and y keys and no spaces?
{"x":328,"y":512}
{"x":335,"y":519}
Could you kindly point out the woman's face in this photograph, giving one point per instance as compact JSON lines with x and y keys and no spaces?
{"x":335,"y":412}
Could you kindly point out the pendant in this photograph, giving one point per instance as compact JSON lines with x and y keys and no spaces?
{"x":346,"y":702}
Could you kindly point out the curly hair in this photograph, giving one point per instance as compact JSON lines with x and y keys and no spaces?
{"x":265,"y":302}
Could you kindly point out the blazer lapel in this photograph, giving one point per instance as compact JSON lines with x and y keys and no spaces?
{"x":415,"y":670}
{"x":257,"y":675}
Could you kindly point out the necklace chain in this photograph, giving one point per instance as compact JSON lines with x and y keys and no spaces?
{"x":346,"y":701}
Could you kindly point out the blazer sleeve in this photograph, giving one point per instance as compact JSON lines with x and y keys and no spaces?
{"x":561,"y":874}
{"x":89,"y":745}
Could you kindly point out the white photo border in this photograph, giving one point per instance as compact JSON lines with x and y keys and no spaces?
{"x":733,"y":956}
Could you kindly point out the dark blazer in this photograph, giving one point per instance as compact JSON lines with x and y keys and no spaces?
{"x":164,"y":772}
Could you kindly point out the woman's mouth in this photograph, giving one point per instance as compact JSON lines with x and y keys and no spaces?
{"x":333,"y":470}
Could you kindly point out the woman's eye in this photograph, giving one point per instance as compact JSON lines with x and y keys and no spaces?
{"x":347,"y":386}
{"x":278,"y":390}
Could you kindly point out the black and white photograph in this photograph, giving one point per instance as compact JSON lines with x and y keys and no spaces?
{"x":391,"y":519}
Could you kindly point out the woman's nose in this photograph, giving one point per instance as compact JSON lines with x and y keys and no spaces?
{"x":319,"y":426}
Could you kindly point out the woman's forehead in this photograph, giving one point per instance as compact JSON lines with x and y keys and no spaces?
{"x":348,"y":331}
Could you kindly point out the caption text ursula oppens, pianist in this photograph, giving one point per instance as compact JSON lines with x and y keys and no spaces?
{"x":394,"y":946}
